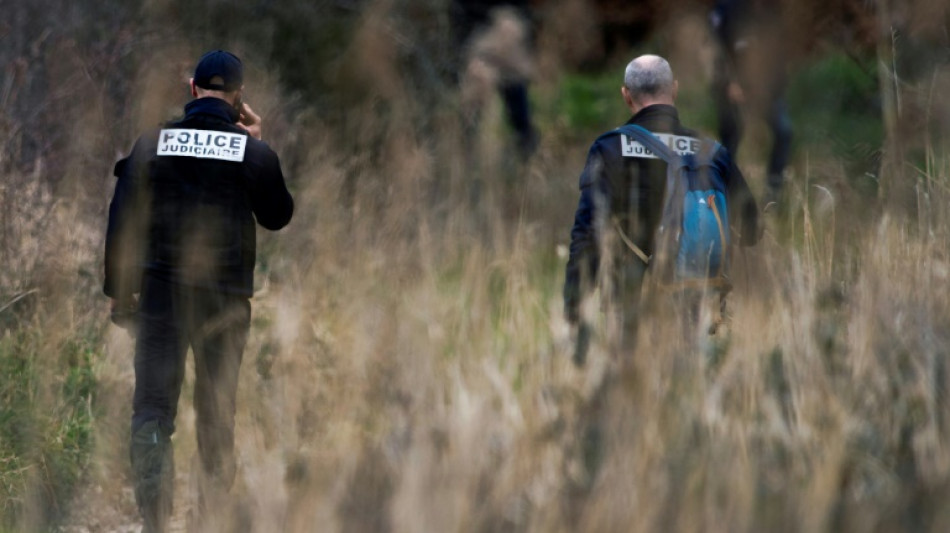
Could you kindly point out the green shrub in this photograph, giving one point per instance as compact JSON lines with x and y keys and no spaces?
{"x":835,"y":110}
{"x":46,"y":419}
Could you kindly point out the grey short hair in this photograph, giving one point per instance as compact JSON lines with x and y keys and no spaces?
{"x":648,"y":75}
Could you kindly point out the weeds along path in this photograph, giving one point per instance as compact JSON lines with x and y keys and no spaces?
{"x":430,"y":387}
{"x":411,"y":370}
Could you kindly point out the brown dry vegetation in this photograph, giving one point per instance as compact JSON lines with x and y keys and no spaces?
{"x":409,"y":367}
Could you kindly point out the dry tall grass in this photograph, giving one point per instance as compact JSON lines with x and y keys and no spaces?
{"x":405,"y":375}
{"x":409,"y":367}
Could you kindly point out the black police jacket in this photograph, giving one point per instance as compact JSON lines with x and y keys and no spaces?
{"x":620,"y":186}
{"x":186,"y":201}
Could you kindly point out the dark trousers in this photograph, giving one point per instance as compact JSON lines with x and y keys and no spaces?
{"x":515,"y":96}
{"x":775,"y":113}
{"x":215,"y":325}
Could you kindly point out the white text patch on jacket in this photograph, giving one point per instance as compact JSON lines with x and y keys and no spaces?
{"x":203,"y":144}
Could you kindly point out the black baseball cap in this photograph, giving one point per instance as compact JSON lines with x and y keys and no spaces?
{"x":223,"y":65}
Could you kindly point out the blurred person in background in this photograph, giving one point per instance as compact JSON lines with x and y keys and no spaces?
{"x":493,"y":40}
{"x":750,"y":76}
{"x":179,"y":266}
{"x":622,"y":193}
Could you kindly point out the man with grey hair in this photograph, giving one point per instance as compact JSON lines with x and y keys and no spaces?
{"x":650,"y":75}
{"x":622,"y":195}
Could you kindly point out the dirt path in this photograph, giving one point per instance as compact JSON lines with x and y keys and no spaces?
{"x":101,"y":509}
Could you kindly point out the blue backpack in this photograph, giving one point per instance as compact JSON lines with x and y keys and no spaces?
{"x":693,"y":233}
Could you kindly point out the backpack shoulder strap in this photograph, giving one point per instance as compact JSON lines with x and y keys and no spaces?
{"x":710,"y":148}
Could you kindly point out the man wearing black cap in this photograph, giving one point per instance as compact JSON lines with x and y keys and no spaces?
{"x":179,"y":266}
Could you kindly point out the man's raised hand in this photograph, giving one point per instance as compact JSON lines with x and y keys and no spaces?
{"x":250,"y":121}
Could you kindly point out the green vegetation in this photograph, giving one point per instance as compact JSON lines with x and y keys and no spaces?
{"x":835,"y":108}
{"x":46,"y":424}
{"x":590,"y":103}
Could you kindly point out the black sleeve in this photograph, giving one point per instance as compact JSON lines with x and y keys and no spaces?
{"x":270,"y":200}
{"x":584,"y":259}
{"x":744,"y":213}
{"x":125,"y":234}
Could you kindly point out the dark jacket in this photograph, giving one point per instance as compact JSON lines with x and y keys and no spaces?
{"x":187,"y":214}
{"x":629,"y":191}
{"x":752,"y":46}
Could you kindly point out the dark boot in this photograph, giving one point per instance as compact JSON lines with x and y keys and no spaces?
{"x":153,"y":467}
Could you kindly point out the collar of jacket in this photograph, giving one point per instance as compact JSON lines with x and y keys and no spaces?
{"x":656,"y":112}
{"x":210,"y":106}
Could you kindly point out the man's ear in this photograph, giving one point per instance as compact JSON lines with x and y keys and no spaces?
{"x":676,"y":88}
{"x":627,"y":97}
{"x":191,"y":84}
